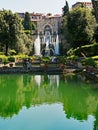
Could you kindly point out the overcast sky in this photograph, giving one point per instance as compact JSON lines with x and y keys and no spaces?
{"x":39,"y":6}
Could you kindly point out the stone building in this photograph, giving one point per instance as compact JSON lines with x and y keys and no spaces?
{"x":48,"y":28}
{"x":84,"y":4}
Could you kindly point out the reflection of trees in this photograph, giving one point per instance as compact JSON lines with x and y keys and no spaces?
{"x":17,"y":91}
{"x":79,"y":99}
{"x":96,"y":121}
{"x":10,"y":102}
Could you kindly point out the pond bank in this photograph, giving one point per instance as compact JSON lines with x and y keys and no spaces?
{"x":33,"y":70}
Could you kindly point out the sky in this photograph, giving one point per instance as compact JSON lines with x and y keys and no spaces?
{"x":37,"y":6}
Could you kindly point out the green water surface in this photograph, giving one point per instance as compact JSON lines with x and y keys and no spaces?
{"x":48,"y":102}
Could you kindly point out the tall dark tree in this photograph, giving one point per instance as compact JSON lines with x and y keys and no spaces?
{"x":95,"y":6}
{"x":65,"y":9}
{"x":27,"y":22}
{"x":10,"y":29}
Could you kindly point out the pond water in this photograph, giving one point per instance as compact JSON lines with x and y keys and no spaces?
{"x":48,"y":102}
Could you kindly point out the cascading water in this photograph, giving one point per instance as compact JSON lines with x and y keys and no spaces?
{"x":37,"y":46}
{"x":57,"y":46}
{"x":47,"y":48}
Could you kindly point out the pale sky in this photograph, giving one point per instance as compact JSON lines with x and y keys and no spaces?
{"x":37,"y":6}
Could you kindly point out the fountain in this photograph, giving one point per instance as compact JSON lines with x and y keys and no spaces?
{"x":57,"y":46}
{"x":37,"y":46}
{"x":48,"y":48}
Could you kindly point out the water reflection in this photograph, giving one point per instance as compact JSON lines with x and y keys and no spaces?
{"x":79,"y":98}
{"x":38,"y":79}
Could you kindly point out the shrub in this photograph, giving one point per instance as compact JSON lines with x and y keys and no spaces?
{"x":11,"y":59}
{"x":1,"y":53}
{"x":3,"y":58}
{"x":46,"y":59}
{"x":12,"y":52}
{"x":89,"y":61}
{"x":84,"y":51}
{"x":5,"y":61}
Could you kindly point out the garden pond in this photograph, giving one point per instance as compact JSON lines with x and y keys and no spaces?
{"x":48,"y":102}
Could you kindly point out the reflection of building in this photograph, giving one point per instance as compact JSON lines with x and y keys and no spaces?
{"x":84,"y":4}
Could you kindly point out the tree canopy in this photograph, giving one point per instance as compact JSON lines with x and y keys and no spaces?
{"x":95,"y":6}
{"x":65,"y":9}
{"x":10,"y":28}
{"x":27,"y":22}
{"x":79,"y":26}
{"x":11,"y":32}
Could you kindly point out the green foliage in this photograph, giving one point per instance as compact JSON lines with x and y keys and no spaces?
{"x":1,"y":53}
{"x":72,"y":57}
{"x":33,"y":26}
{"x":95,"y":57}
{"x":89,"y":61}
{"x":24,"y":44}
{"x":5,"y":60}
{"x":12,"y":52}
{"x":96,"y":34}
{"x":46,"y":59}
{"x":61,"y":59}
{"x":27,"y":31}
{"x":84,"y":51}
{"x":79,"y":26}
{"x":21,"y":56}
{"x":12,"y":36}
{"x":10,"y":29}
{"x":27,"y":22}
{"x":95,"y":6}
{"x":66,"y":9}
{"x":11,"y":59}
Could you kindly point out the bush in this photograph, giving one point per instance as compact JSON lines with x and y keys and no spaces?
{"x":11,"y":59}
{"x":3,"y":58}
{"x":21,"y":56}
{"x":1,"y":53}
{"x":72,"y":57}
{"x":84,"y":51}
{"x":12,"y":52}
{"x":46,"y":59}
{"x":5,"y":61}
{"x":89,"y":61}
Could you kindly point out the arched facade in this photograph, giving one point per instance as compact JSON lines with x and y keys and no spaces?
{"x":48,"y":31}
{"x":48,"y":28}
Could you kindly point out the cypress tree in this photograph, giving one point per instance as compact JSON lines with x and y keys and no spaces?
{"x":27,"y":22}
{"x":65,"y":9}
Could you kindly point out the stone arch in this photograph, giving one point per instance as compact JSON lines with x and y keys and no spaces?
{"x":48,"y":26}
{"x":47,"y":32}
